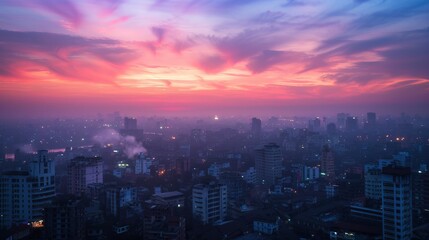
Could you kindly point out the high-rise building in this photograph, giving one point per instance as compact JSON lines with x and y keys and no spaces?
{"x":310,"y":173}
{"x":64,"y":219}
{"x":341,"y":120}
{"x":396,"y":203}
{"x":373,"y":176}
{"x":209,"y":202}
{"x":256,"y":128}
{"x":331,"y":128}
{"x":130,"y":129}
{"x":130,"y":123}
{"x":24,"y":194}
{"x":371,"y":120}
{"x":118,"y":197}
{"x":421,"y":195}
{"x":268,"y":163}
{"x":373,"y":183}
{"x":235,"y":184}
{"x":314,"y":124}
{"x":82,"y":171}
{"x":143,"y":164}
{"x":327,"y":166}
{"x":351,"y":123}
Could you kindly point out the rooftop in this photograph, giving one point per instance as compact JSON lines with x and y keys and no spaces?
{"x":396,"y":170}
{"x":169,"y":194}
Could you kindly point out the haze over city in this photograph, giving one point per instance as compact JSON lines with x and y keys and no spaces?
{"x":171,"y":57}
{"x":214,"y":119}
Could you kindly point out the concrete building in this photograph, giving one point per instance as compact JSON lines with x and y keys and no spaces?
{"x":352,"y":124}
{"x":372,"y":175}
{"x":130,"y":123}
{"x":327,"y":166}
{"x":130,"y":129}
{"x":310,"y":173}
{"x":249,"y":175}
{"x":64,"y":219}
{"x":235,"y":184}
{"x":172,"y":199}
{"x":159,"y":222}
{"x":256,"y":130}
{"x":82,"y":171}
{"x":396,"y":203}
{"x":266,"y":224}
{"x":24,"y":194}
{"x":373,"y":183}
{"x":118,"y":197}
{"x":209,"y":202}
{"x":268,"y":163}
{"x":143,"y":164}
{"x":331,"y":191}
{"x":365,"y":213}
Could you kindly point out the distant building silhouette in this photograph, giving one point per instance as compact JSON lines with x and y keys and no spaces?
{"x":314,"y":124}
{"x":256,"y":129}
{"x":268,"y":163}
{"x":331,"y":128}
{"x":130,"y":128}
{"x":130,"y":123}
{"x":371,"y":118}
{"x":341,"y":120}
{"x":352,"y":124}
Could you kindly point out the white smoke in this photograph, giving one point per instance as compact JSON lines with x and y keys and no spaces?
{"x":27,"y":148}
{"x":130,"y":146}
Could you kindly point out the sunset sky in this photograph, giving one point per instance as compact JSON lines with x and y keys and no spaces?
{"x":173,"y":57}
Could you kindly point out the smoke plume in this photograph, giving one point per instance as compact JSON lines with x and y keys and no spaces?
{"x":129,"y":145}
{"x":27,"y":148}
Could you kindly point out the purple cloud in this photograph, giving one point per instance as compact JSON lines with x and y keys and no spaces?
{"x":269,"y":58}
{"x":63,"y":8}
{"x":212,"y":64}
{"x":159,"y":33}
{"x":61,"y":54}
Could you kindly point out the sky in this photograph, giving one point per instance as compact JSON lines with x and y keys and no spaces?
{"x":230,"y":57}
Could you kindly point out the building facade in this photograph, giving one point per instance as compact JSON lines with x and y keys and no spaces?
{"x":268,"y":163}
{"x":82,"y":171}
{"x":209,"y":202}
{"x":64,"y":219}
{"x":24,"y":194}
{"x":396,"y":203}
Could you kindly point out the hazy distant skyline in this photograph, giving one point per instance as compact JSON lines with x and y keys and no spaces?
{"x":173,"y":57}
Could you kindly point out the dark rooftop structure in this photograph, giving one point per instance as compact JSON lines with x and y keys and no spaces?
{"x":396,"y":170}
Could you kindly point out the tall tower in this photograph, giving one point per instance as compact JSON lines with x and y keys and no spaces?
{"x":130,"y":123}
{"x":256,"y":129}
{"x":371,"y":118}
{"x":351,"y":124}
{"x":268,"y":163}
{"x":42,"y":169}
{"x":396,"y":203}
{"x":327,"y":163}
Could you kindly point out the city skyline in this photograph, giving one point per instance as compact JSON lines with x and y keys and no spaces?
{"x":74,"y":58}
